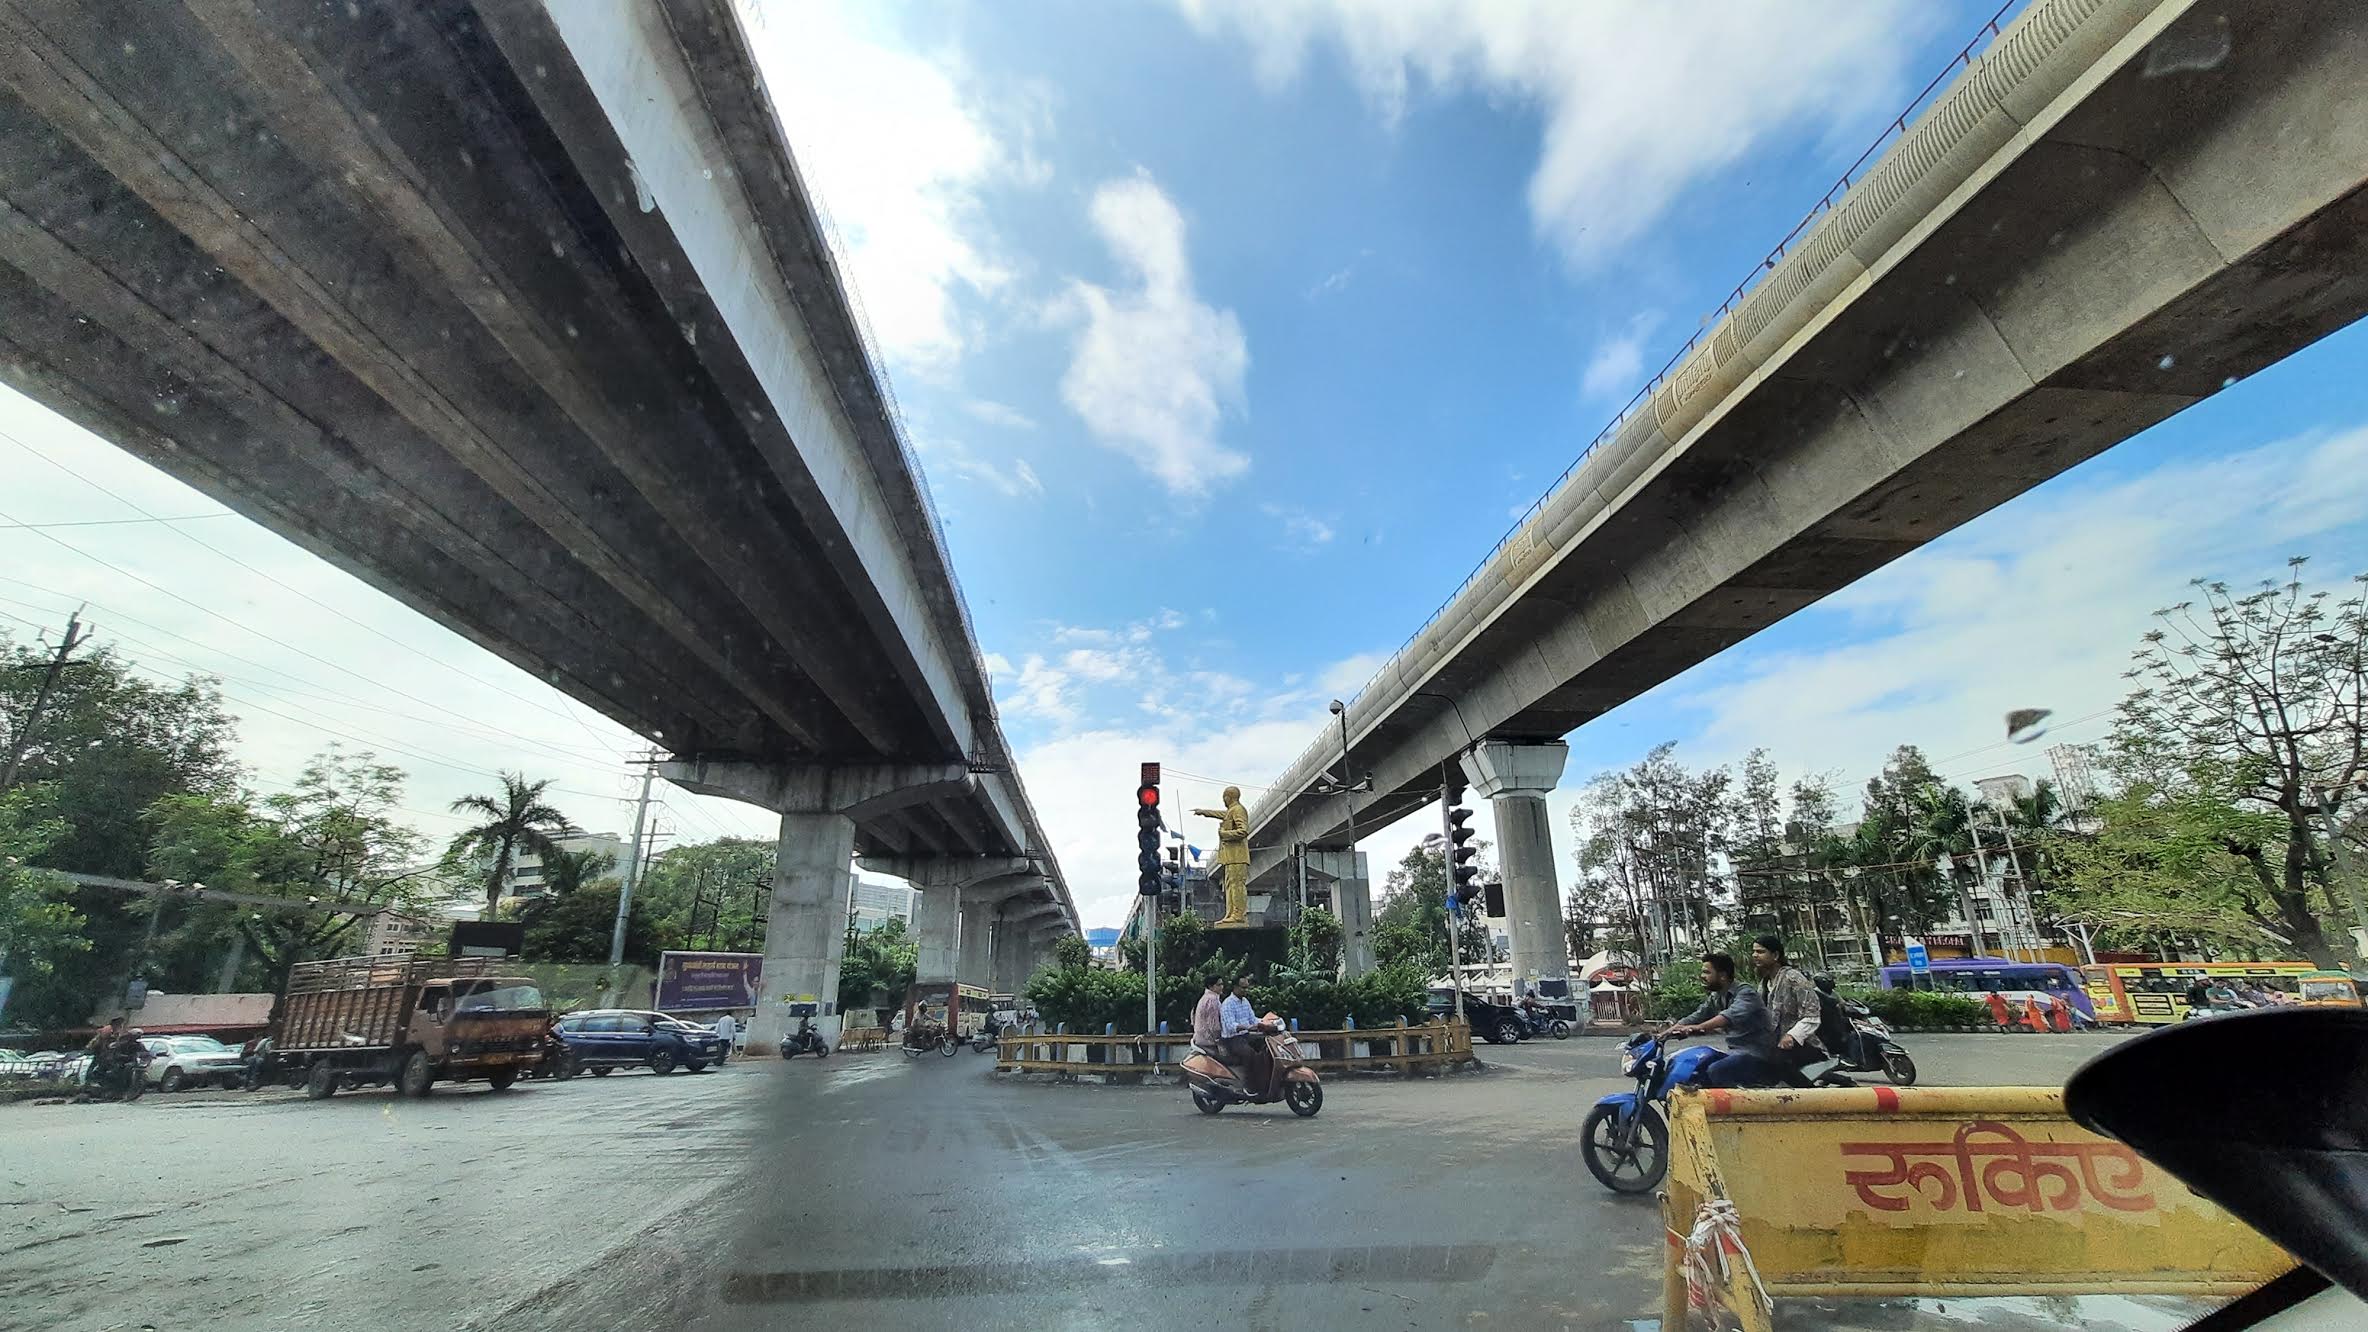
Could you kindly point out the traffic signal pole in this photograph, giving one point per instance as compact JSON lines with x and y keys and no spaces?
{"x":1451,"y":819}
{"x":1148,"y":830}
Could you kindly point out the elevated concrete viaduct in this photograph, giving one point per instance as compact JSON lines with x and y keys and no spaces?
{"x":2121,"y":208}
{"x":522,"y":313}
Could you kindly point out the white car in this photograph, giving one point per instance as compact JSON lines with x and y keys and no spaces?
{"x":179,"y":1062}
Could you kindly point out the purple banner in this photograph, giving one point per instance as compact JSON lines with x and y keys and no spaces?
{"x":688,"y":981}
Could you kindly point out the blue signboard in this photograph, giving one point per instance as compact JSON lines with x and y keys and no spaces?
{"x":1919,"y":961}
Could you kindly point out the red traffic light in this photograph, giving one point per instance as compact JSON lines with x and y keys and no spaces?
{"x":1147,"y":796}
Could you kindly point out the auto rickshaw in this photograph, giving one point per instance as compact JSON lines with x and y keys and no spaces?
{"x":2330,"y":987}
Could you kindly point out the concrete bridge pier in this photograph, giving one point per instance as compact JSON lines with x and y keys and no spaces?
{"x":1515,"y":776}
{"x":1017,"y":950}
{"x":1352,"y":901}
{"x":814,"y":868}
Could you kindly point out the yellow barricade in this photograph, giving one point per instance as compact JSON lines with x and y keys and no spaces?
{"x":1884,"y":1192}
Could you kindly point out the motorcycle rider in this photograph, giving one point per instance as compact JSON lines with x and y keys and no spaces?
{"x":1835,"y":1031}
{"x":1740,"y":1012}
{"x":1792,"y":1007}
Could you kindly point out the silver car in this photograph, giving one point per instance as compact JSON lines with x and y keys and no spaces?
{"x":191,"y":1061}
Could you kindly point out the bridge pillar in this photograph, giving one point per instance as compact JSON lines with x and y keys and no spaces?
{"x":1020,"y":944}
{"x":1515,"y":777}
{"x":1352,"y":901}
{"x":814,"y":869}
{"x":937,"y":928}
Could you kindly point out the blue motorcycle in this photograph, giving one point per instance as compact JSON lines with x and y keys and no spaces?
{"x":1625,"y":1138}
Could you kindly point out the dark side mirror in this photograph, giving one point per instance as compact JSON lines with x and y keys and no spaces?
{"x":2258,"y":1111}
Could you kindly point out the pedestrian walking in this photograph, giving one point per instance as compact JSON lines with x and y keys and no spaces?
{"x":728,"y":1028}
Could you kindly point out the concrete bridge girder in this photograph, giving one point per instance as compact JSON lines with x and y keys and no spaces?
{"x":2087,"y":251}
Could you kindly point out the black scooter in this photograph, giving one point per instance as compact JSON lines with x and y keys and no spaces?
{"x":805,"y":1040}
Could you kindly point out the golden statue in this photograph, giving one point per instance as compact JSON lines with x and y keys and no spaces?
{"x":1233,"y":857}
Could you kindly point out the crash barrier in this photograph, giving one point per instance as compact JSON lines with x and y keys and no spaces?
{"x":1882,"y":1192}
{"x":1434,"y":1047}
{"x":861,"y":1038}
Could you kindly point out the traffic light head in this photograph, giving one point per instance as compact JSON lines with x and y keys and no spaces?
{"x":1147,"y":829}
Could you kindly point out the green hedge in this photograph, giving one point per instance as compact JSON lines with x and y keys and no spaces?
{"x":1923,"y":1008}
{"x":1086,"y":999}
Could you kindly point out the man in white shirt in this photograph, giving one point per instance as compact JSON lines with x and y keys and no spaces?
{"x":1244,"y":1041}
{"x":729,"y":1029}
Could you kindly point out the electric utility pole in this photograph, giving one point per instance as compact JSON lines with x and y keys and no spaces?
{"x":616,"y":938}
{"x":76,"y":636}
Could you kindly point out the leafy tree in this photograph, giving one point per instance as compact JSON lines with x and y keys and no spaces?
{"x":1316,"y":941}
{"x":331,"y":843}
{"x":567,"y":871}
{"x":1655,"y":841}
{"x":2260,"y":701}
{"x":515,"y":820}
{"x":1899,"y":881}
{"x":733,"y":876}
{"x":38,"y":926}
{"x":877,"y":963}
{"x":2156,"y":872}
{"x":1411,"y":925}
{"x":107,"y":746}
{"x":579,"y":925}
{"x":1071,"y":950}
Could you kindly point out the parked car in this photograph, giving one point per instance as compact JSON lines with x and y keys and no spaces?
{"x":56,"y":1065}
{"x":601,"y":1040}
{"x":180,"y":1062}
{"x":1491,"y":1021}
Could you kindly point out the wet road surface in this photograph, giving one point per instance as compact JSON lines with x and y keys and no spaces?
{"x":925,"y":1193}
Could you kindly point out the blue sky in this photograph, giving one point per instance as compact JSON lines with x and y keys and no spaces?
{"x":1233,"y":335}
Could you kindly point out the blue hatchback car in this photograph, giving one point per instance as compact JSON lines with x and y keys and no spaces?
{"x":601,"y":1040}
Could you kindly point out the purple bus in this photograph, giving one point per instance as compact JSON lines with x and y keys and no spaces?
{"x":1975,"y":977}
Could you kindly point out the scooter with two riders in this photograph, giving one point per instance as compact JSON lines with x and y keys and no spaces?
{"x":1216,"y":1083}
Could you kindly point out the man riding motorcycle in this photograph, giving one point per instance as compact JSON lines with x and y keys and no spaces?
{"x":1756,"y":1053}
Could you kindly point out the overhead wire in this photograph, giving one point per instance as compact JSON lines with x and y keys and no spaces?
{"x":232,"y":622}
{"x":563,"y":752}
{"x":273,"y":579}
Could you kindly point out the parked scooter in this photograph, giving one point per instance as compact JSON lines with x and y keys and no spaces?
{"x":1216,"y":1084}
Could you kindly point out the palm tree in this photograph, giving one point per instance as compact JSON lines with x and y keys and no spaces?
{"x":1941,"y":825}
{"x":565,"y":871}
{"x":515,"y":821}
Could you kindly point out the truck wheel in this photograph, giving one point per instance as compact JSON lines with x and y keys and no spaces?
{"x":502,"y":1077}
{"x":418,"y":1074}
{"x":662,"y":1062}
{"x":566,"y":1066}
{"x":321,"y":1081}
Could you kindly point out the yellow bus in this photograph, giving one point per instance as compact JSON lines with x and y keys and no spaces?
{"x":2150,"y":994}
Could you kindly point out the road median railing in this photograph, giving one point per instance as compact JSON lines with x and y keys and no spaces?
{"x":856,"y":1039}
{"x":1881,"y":1192}
{"x":1411,"y":1051}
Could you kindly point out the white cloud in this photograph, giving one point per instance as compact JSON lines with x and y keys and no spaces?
{"x":995,"y":413}
{"x":1638,"y":102}
{"x":1154,"y":368}
{"x":1300,"y":528}
{"x":1344,"y":677}
{"x":1616,"y":370}
{"x":897,"y":152}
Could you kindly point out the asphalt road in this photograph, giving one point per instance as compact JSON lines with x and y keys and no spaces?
{"x":927,"y":1194}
